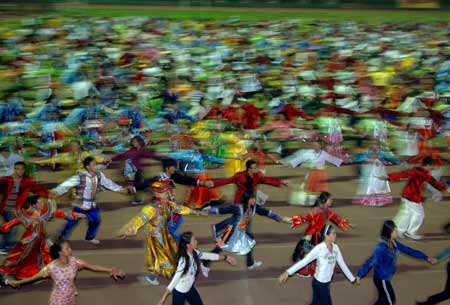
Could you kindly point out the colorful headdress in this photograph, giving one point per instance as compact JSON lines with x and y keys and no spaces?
{"x":161,"y":186}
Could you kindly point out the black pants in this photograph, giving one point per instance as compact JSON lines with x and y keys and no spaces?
{"x":192,"y":297}
{"x":386,"y":294}
{"x":250,"y":260}
{"x":441,"y":296}
{"x":321,"y":293}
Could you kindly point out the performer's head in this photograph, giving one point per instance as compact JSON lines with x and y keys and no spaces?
{"x":187,"y":245}
{"x":60,"y":249}
{"x":137,"y":142}
{"x":327,"y":234}
{"x":169,"y":166}
{"x":36,"y":202}
{"x":428,"y":162}
{"x":161,"y":190}
{"x":90,"y":165}
{"x":388,"y":231}
{"x":75,"y":145}
{"x":248,"y":200}
{"x":324,"y":200}
{"x":19,"y":169}
{"x":251,"y":166}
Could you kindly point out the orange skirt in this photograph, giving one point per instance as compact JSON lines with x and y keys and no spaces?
{"x":317,"y":181}
{"x":201,"y":195}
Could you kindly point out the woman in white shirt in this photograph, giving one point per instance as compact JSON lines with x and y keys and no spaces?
{"x":182,"y":284}
{"x":326,"y":254}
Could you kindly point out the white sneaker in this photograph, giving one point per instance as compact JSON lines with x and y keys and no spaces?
{"x":3,"y":252}
{"x":205,"y":270}
{"x":152,"y":280}
{"x":93,"y":241}
{"x":137,"y":202}
{"x":256,"y":264}
{"x":414,"y":236}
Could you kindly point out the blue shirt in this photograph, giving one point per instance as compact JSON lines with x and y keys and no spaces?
{"x":384,"y":260}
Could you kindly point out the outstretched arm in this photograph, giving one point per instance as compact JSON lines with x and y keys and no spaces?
{"x":115,"y":273}
{"x":40,"y":275}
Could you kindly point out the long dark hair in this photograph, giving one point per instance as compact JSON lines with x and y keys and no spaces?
{"x":56,"y":248}
{"x":185,"y":239}
{"x":326,"y":230}
{"x":323,"y":197}
{"x":387,"y":229}
{"x":246,"y":198}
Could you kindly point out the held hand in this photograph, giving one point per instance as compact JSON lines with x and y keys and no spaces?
{"x":80,"y":215}
{"x":283,"y":277}
{"x":287,"y":182}
{"x":287,"y":220}
{"x":432,"y":260}
{"x":13,"y":283}
{"x":122,"y":234}
{"x":352,"y":226}
{"x":357,"y":282}
{"x":117,"y":273}
{"x":231,"y":260}
{"x":209,"y":183}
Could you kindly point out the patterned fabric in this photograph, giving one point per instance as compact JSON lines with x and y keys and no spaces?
{"x":64,"y":290}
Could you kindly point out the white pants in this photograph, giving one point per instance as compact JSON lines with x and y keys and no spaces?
{"x":410,"y":217}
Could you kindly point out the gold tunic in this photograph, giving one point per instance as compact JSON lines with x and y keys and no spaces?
{"x":161,"y":257}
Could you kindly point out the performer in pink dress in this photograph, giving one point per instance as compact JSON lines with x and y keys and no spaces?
{"x":63,"y":270}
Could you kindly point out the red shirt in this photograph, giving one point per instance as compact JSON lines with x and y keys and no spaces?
{"x":27,"y":185}
{"x":417,"y":176}
{"x":240,"y":179}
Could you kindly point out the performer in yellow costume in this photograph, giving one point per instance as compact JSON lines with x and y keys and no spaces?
{"x":160,"y":246}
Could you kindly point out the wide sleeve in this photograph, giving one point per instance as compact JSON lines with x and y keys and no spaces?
{"x":268,"y":213}
{"x":436,"y":184}
{"x":331,"y":159}
{"x":207,"y":256}
{"x":179,"y":209}
{"x":343,"y":265}
{"x":231,"y":209}
{"x":7,"y":226}
{"x":149,"y":154}
{"x":177,"y":277}
{"x":410,"y":251}
{"x":370,"y":262}
{"x":401,"y":175}
{"x":184,"y":180}
{"x":337,"y":219}
{"x":133,"y":226}
{"x":123,"y":156}
{"x":225,"y":181}
{"x":311,"y":256}
{"x":300,"y":219}
{"x":109,"y":184}
{"x":38,"y":189}
{"x":67,"y":185}
{"x":69,"y":214}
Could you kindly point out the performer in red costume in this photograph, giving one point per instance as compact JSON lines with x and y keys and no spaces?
{"x":32,"y":252}
{"x":316,"y":220}
{"x":248,"y":180}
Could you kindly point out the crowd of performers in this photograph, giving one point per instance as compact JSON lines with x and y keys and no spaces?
{"x":237,"y":101}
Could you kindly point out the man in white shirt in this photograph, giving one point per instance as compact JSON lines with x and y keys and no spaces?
{"x":87,"y":183}
{"x":7,"y":161}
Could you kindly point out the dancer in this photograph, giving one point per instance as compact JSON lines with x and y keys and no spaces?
{"x":234,"y":234}
{"x":182,"y":283}
{"x":410,"y":216}
{"x":326,"y":253}
{"x":15,"y":190}
{"x":384,"y":259}
{"x":88,"y":184}
{"x":445,"y":294}
{"x":316,"y":219}
{"x":63,"y":270}
{"x":316,"y":179}
{"x":371,"y":190}
{"x":160,"y":244}
{"x":32,"y":252}
{"x":248,"y":180}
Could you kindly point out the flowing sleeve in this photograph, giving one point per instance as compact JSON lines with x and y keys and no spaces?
{"x":400,"y":175}
{"x":133,"y":226}
{"x":301,"y":219}
{"x":7,"y":226}
{"x":66,"y":185}
{"x":342,"y":223}
{"x":179,"y":209}
{"x":268,"y":213}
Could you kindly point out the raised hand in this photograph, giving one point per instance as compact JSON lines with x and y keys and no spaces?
{"x":117,"y":273}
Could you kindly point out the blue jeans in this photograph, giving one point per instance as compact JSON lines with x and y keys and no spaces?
{"x":93,"y":218}
{"x":8,"y":240}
